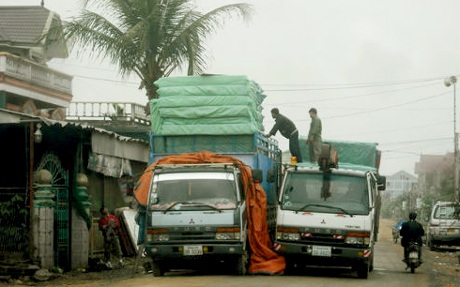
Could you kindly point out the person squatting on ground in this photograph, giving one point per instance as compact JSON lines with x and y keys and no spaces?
{"x":411,"y":231}
{"x":288,"y":130}
{"x":314,"y":140}
{"x":108,"y":224}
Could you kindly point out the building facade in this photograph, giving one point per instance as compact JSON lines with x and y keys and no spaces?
{"x":56,"y":174}
{"x":399,"y":183}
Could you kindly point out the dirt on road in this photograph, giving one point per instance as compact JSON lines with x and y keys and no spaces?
{"x":443,"y":265}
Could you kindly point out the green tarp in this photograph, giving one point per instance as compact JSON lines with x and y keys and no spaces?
{"x":353,"y":155}
{"x":207,"y":105}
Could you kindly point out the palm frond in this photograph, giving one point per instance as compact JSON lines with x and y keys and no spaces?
{"x":151,"y":38}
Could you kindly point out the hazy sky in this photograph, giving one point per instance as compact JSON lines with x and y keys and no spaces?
{"x":375,"y":70}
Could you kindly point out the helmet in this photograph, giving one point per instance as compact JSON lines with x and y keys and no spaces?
{"x":412,"y":215}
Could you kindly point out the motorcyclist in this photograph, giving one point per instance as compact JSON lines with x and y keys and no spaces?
{"x":411,"y":231}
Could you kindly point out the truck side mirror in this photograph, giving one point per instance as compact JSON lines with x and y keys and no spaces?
{"x":257,"y":175}
{"x":381,"y":182}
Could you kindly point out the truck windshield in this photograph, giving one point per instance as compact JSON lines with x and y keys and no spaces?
{"x":447,"y":212}
{"x":319,"y":193}
{"x":194,"y":191}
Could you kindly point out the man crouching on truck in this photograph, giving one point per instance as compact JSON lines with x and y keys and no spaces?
{"x":287,"y":129}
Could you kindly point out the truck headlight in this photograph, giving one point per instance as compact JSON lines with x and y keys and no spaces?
{"x":158,"y":237}
{"x":161,"y":237}
{"x":358,"y":238}
{"x":292,"y":234}
{"x":227,"y":236}
{"x":228,"y":233}
{"x":354,"y":240}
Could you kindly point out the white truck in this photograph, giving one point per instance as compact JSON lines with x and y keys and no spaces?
{"x":196,"y":208}
{"x":444,"y":225}
{"x":197,"y":213}
{"x":328,"y":213}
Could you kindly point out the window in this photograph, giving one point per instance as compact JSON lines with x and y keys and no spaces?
{"x":305,"y":191}
{"x":196,"y":191}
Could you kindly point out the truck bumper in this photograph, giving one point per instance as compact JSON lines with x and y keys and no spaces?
{"x":338,"y":256}
{"x":446,"y":239}
{"x":209,"y":251}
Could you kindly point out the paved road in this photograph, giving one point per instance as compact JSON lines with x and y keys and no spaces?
{"x":389,"y":271}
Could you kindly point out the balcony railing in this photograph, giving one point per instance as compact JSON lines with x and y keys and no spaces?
{"x":107,"y":111}
{"x":40,"y":75}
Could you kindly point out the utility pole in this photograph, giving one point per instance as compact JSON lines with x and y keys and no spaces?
{"x":448,"y":82}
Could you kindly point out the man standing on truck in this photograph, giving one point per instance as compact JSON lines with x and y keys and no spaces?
{"x":287,"y":129}
{"x":314,"y":140}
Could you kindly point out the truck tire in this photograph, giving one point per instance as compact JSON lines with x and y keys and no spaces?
{"x":240,"y":265}
{"x":430,"y":244}
{"x":371,"y":262}
{"x":292,"y":268}
{"x":363,"y":270}
{"x":158,"y":269}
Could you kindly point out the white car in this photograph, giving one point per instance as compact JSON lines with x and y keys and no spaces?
{"x":444,"y":225}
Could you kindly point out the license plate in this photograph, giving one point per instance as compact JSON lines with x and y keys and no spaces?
{"x":451,"y":231}
{"x":190,"y":250}
{"x":324,"y":251}
{"x":413,"y":255}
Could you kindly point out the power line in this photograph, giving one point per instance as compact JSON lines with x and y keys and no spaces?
{"x":387,"y":107}
{"x":417,"y":141}
{"x":322,"y":87}
{"x":359,"y":96}
{"x":355,"y":86}
{"x":397,"y":130}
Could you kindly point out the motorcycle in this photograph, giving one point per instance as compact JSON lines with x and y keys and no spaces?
{"x":413,"y":260}
{"x":395,"y":230}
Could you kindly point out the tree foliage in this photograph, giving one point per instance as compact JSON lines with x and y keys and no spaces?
{"x":151,"y":38}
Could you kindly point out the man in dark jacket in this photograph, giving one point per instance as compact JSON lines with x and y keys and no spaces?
{"x":411,"y":231}
{"x":288,"y":130}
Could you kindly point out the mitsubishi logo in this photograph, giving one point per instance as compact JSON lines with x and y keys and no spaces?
{"x":191,"y":221}
{"x":323,"y":222}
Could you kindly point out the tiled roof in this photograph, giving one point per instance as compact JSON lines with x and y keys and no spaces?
{"x":21,"y":27}
{"x":24,"y":24}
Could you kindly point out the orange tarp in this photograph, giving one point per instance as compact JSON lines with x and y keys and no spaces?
{"x":264,"y":259}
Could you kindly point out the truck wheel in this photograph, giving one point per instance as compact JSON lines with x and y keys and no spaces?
{"x":241,"y":263}
{"x":292,"y":268}
{"x":429,"y":243}
{"x":157,"y":269}
{"x":363,"y":270}
{"x":371,"y":262}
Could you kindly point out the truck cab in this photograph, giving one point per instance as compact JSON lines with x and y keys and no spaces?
{"x":196,"y":213}
{"x":329,"y":216}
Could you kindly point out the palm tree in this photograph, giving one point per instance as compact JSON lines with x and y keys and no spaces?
{"x":151,"y":38}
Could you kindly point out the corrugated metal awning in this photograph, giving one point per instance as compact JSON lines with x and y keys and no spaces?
{"x":102,"y":141}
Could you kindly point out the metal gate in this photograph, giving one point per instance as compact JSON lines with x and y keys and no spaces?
{"x":60,"y":186}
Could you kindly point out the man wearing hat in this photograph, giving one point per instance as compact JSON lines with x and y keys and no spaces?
{"x":314,"y":140}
